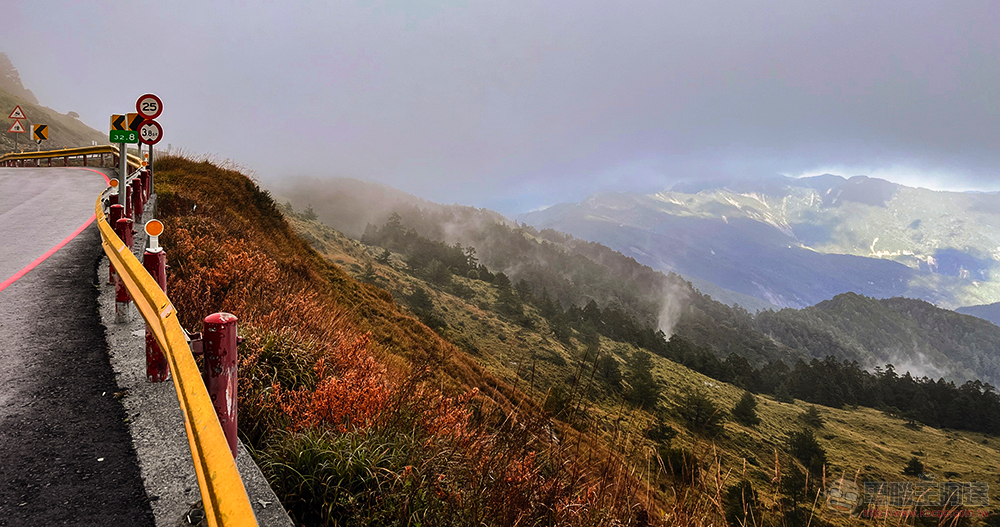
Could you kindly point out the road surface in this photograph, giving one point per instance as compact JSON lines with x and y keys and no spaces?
{"x":67,"y":456}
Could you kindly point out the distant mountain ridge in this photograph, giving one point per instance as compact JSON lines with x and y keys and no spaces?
{"x":797,"y":241}
{"x":989,"y":312}
{"x":65,"y":129}
{"x":913,"y":335}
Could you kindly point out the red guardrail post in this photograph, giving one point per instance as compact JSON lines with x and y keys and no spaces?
{"x":123,"y":302}
{"x":155,"y":262}
{"x":219,"y":342}
{"x":146,"y":190}
{"x":137,"y":200}
{"x":116,"y":212}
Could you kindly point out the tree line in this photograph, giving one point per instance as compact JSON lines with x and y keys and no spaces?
{"x":753,"y":362}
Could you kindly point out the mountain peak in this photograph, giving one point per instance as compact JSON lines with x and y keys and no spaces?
{"x":10,"y":81}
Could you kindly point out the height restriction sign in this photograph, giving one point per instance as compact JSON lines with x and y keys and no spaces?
{"x":150,"y":132}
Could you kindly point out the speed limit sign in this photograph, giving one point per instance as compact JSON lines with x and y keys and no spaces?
{"x":150,"y":132}
{"x":149,"y":106}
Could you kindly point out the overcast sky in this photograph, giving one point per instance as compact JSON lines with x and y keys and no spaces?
{"x":514,"y":105}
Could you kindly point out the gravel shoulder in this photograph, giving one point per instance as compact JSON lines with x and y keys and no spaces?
{"x":157,"y":426}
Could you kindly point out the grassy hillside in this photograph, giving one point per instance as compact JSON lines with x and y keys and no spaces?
{"x":64,"y":131}
{"x":860,"y":443}
{"x":914,"y":336}
{"x":357,"y":412}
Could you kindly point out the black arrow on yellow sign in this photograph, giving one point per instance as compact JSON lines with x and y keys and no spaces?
{"x":40,"y":132}
{"x":134,"y":120}
{"x":118,"y":122}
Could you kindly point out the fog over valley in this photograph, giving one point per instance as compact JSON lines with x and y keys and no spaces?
{"x":519,"y":105}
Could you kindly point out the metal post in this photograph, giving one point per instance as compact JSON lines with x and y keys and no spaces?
{"x":155,"y":262}
{"x":123,"y":175}
{"x":220,"y":341}
{"x":150,"y":166}
{"x":123,"y":302}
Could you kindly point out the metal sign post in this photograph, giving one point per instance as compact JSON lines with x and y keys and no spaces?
{"x":40,"y":132}
{"x":150,"y":107}
{"x":123,"y":177}
{"x":16,"y":128}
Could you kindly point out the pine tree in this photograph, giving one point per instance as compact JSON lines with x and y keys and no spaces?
{"x":745,"y":411}
{"x":645,"y":389}
{"x":701,"y":415}
{"x":309,"y":213}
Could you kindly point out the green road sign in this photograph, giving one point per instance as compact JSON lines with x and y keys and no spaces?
{"x":123,"y":136}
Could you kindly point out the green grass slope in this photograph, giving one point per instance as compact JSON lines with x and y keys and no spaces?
{"x":861,"y":444}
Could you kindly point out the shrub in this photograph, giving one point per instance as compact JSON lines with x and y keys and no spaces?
{"x":914,"y":467}
{"x":741,"y":504}
{"x":811,"y":417}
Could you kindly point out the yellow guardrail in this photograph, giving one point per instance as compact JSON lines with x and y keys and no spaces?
{"x":133,"y":161}
{"x":223,"y":495}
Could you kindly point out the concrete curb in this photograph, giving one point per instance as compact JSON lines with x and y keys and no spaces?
{"x":157,"y":424}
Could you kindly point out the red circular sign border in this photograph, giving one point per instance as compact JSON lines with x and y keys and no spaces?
{"x":159,"y":107}
{"x":158,"y":127}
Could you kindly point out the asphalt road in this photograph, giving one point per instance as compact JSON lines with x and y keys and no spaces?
{"x":66,"y":456}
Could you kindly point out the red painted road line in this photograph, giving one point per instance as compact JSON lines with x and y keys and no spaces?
{"x":50,"y":252}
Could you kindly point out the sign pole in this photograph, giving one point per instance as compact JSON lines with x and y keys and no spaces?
{"x":150,"y":168}
{"x":123,"y":173}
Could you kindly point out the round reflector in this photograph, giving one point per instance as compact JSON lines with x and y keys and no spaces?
{"x":154,"y":227}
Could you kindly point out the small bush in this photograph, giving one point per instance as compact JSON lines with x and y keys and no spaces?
{"x":811,"y":417}
{"x":741,"y":504}
{"x":914,"y":467}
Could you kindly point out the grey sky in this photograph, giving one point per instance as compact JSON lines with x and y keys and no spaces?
{"x":514,"y":105}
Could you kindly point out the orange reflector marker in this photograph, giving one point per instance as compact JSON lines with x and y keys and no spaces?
{"x":154,"y":228}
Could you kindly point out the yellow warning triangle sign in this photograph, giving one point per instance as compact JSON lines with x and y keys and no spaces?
{"x":17,"y":128}
{"x":17,"y":113}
